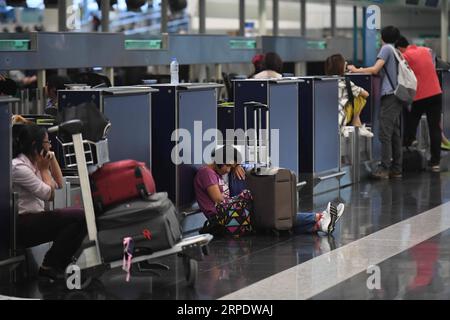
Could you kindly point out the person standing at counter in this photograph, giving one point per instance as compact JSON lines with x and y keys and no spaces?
{"x":428,"y":98}
{"x":391,"y":107}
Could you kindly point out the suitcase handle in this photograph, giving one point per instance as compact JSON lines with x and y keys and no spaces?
{"x":257,"y":109}
{"x":255,"y":105}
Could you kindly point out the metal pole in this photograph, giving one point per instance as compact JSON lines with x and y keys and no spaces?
{"x":300,"y":69}
{"x":444,"y":30}
{"x":105,"y":15}
{"x":164,"y":18}
{"x":262,"y":17}
{"x":303,"y":18}
{"x":364,"y":33}
{"x":218,"y":71}
{"x":62,"y":15}
{"x":41,"y":82}
{"x":355,"y":34}
{"x":110,"y":74}
{"x":333,"y":17}
{"x":202,"y":16}
{"x":276,"y":17}
{"x":241,"y":17}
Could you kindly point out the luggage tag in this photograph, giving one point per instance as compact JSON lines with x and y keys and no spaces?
{"x":128,"y":249}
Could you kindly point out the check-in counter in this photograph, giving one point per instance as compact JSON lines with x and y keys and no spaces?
{"x":348,"y":157}
{"x":281,"y":97}
{"x":319,"y":146}
{"x":8,"y":258}
{"x":129,"y":110}
{"x":369,"y":149}
{"x":444,"y":79}
{"x":176,"y":108}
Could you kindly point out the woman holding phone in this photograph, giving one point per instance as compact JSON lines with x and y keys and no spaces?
{"x":36,"y":174}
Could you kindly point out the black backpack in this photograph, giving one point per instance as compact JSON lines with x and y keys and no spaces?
{"x":413,"y":160}
{"x":95,"y":124}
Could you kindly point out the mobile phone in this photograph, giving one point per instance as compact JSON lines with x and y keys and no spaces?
{"x":41,"y":149}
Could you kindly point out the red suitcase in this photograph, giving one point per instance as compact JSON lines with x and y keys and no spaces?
{"x":117,"y":182}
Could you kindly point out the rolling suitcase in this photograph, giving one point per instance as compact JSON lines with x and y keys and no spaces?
{"x":153,"y":224}
{"x":117,"y":182}
{"x":274,"y":190}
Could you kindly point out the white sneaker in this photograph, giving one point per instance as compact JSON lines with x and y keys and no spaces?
{"x":344,"y":132}
{"x":330,"y":217}
{"x":364,"y":132}
{"x":340,"y":210}
{"x":325,"y":222}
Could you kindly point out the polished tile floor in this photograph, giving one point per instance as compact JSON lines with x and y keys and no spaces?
{"x":240,"y":268}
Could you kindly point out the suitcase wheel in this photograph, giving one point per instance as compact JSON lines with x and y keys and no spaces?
{"x":190,"y":271}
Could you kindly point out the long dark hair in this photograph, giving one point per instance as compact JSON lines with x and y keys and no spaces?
{"x":272,"y":61}
{"x":334,"y":65}
{"x":29,"y":140}
{"x":226,"y":155}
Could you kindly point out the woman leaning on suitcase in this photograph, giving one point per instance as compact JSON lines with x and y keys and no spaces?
{"x":35,"y":175}
{"x":211,"y":189}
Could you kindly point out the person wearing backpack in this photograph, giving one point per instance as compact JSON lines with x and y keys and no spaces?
{"x":428,"y":98}
{"x":398,"y":87}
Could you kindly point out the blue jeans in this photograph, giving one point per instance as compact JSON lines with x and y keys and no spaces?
{"x":304,"y":222}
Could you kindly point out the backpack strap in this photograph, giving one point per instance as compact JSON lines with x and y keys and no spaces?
{"x":396,"y":64}
{"x":389,"y":77}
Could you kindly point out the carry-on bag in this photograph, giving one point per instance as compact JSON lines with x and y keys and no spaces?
{"x":274,"y":190}
{"x":153,"y":224}
{"x":117,"y":182}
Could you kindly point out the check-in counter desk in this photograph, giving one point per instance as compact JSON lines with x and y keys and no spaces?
{"x":191,"y":108}
{"x":368,"y":150}
{"x":8,"y":257}
{"x":319,"y":135}
{"x":128,"y":109}
{"x":281,"y":97}
{"x":444,"y":79}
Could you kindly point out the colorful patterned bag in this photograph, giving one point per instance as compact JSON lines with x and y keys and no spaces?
{"x":235,"y":214}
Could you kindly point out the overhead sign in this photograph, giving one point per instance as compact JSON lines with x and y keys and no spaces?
{"x":14,"y":45}
{"x":242,"y":44}
{"x":152,"y":44}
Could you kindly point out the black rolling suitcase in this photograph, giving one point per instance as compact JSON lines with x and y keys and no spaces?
{"x":274,"y":190}
{"x":153,"y":224}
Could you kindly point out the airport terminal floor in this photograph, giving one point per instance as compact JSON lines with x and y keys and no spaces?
{"x":391,"y":243}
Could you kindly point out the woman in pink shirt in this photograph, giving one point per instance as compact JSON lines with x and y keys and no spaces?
{"x":35,"y":175}
{"x":428,"y":98}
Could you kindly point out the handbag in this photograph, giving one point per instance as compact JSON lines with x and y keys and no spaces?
{"x":235,"y":214}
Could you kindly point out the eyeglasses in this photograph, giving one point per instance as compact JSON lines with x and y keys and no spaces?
{"x":46,"y":141}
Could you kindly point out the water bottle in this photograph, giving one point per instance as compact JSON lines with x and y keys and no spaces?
{"x":174,"y":71}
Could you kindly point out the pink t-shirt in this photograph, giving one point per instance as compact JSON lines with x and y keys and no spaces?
{"x":205,"y":178}
{"x":421,"y":62}
{"x":27,"y":182}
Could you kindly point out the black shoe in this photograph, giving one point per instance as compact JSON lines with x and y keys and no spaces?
{"x":212,"y":227}
{"x":51,"y":274}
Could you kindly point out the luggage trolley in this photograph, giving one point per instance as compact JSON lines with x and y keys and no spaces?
{"x":89,"y":257}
